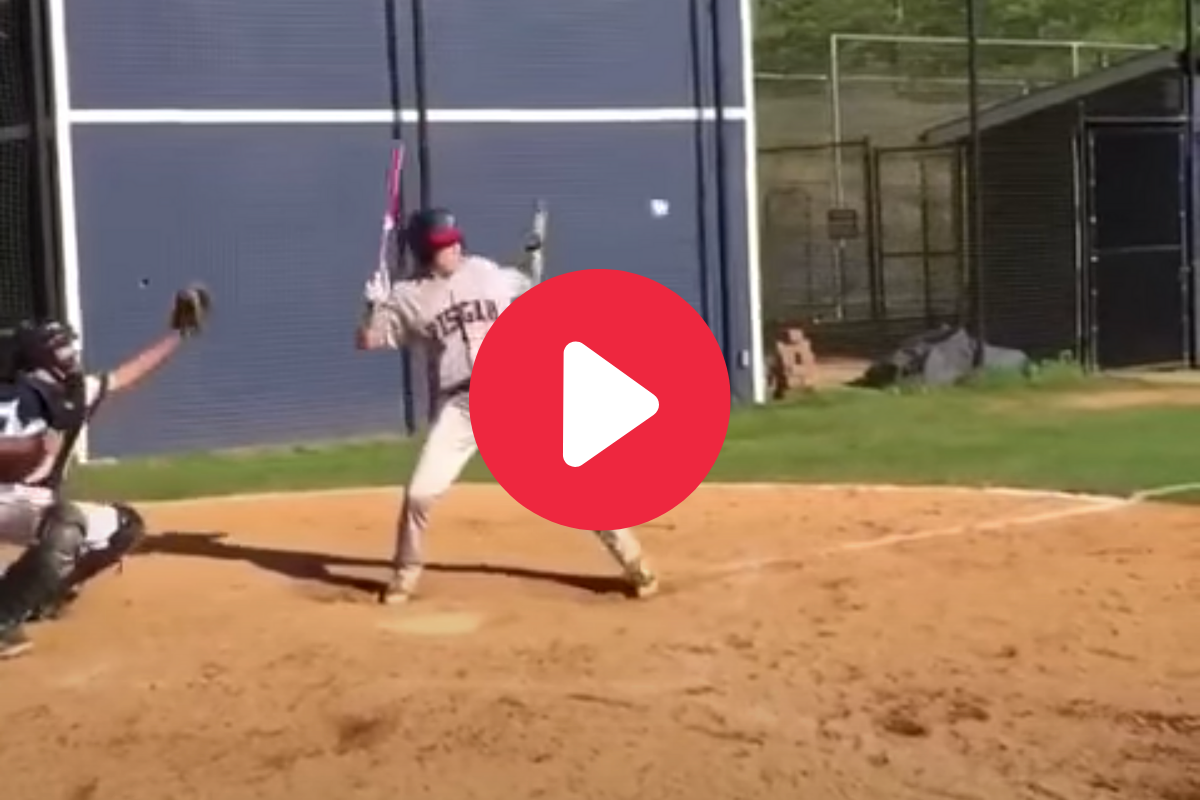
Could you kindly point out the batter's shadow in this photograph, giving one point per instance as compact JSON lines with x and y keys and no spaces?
{"x":325,"y":568}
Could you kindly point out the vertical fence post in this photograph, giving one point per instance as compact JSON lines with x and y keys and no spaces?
{"x":839,"y":188}
{"x":1191,"y":206}
{"x":699,"y":100}
{"x":835,"y":115}
{"x":424,"y":165}
{"x":926,"y":238}
{"x":391,"y":31}
{"x":974,"y":178}
{"x":720,"y":147}
{"x":420,"y":86}
{"x":48,"y":297}
{"x":873,"y":200}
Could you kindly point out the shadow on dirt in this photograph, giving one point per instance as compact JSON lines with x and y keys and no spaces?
{"x":326,"y":568}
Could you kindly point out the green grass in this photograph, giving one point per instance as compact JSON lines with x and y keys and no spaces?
{"x":995,"y":432}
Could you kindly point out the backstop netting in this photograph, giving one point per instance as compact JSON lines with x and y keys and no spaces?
{"x":16,"y":162}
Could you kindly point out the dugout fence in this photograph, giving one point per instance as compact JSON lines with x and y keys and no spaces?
{"x":1040,"y":193}
{"x":864,"y":252}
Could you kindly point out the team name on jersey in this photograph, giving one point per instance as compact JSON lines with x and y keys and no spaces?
{"x":456,"y":317}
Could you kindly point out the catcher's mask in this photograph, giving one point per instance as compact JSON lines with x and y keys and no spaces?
{"x":430,"y":230}
{"x":49,"y":346}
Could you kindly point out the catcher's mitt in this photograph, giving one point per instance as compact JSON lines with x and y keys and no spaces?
{"x":190,"y":312}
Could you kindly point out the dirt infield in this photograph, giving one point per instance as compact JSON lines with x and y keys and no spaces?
{"x":812,"y":644}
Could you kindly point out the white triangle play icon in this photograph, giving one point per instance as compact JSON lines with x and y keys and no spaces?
{"x":600,"y":404}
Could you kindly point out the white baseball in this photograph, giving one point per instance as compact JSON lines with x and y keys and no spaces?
{"x":660,"y":208}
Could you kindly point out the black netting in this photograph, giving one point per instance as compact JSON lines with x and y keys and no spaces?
{"x":16,"y":165}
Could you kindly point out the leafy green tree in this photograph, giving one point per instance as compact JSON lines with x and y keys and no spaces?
{"x":793,"y":35}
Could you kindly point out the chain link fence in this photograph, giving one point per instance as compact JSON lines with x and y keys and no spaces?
{"x":865,"y":224}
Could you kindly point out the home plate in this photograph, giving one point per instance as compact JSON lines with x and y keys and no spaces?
{"x":446,"y":623}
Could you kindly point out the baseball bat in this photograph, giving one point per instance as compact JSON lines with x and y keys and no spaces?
{"x":389,"y":238}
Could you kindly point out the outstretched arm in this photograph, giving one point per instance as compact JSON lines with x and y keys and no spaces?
{"x":142,"y":365}
{"x":189,"y":315}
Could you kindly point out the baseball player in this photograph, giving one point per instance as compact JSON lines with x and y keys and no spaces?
{"x":450,"y":306}
{"x":43,"y":409}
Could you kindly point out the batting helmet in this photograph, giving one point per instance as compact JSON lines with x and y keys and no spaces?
{"x":430,"y":230}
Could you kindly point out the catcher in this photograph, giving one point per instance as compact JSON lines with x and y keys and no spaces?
{"x":43,"y":408}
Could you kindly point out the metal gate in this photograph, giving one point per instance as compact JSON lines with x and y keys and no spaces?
{"x":1137,"y":265}
{"x":919,"y":246}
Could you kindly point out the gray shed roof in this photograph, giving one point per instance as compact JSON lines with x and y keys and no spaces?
{"x":1071,"y":91}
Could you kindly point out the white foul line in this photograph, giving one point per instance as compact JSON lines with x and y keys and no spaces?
{"x":1090,"y":506}
{"x":999,"y":524}
{"x":848,"y":488}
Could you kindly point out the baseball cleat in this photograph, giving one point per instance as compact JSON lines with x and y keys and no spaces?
{"x":14,"y":642}
{"x":401,"y":588}
{"x":643,"y":583}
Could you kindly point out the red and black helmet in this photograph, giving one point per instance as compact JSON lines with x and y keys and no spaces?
{"x":430,"y":230}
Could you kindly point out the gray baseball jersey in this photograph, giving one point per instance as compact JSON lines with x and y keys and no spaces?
{"x":452,"y":313}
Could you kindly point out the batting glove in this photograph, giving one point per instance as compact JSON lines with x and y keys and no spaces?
{"x":378,"y":288}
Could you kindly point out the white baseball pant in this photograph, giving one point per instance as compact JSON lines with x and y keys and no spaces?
{"x":21,"y":510}
{"x":450,"y":445}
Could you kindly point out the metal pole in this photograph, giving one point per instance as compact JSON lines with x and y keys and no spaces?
{"x":392,"y":32}
{"x":899,"y":39}
{"x":1191,"y":235}
{"x":717,"y":54}
{"x":424,"y":166}
{"x":48,"y":300}
{"x":839,"y":189}
{"x":421,"y":92}
{"x":695,"y":27}
{"x":974,"y":176}
{"x":835,"y":117}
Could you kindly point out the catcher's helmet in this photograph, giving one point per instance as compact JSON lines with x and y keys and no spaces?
{"x":430,"y":230}
{"x":47,"y":346}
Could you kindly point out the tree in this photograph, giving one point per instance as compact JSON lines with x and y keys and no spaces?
{"x":793,"y":35}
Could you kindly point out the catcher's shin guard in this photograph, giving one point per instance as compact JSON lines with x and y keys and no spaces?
{"x":131,"y":531}
{"x":40,"y":576}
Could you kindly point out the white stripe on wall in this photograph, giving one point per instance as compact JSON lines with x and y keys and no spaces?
{"x":60,"y":77}
{"x":754,"y":276}
{"x":520,"y":116}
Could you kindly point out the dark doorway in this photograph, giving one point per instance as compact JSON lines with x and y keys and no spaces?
{"x":1137,"y":257}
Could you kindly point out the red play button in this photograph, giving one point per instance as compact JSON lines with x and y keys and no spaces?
{"x":600,"y":400}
